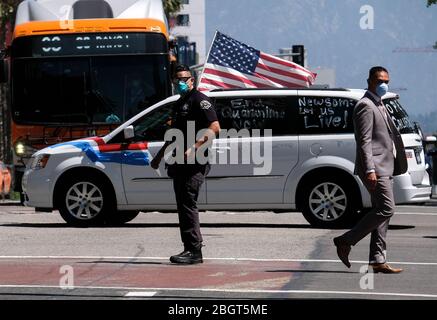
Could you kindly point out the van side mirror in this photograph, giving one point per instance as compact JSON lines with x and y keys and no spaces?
{"x":129,"y":132}
{"x":418,"y":129}
{"x":4,"y":71}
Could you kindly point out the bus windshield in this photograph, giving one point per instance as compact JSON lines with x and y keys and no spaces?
{"x":399,"y":116}
{"x":87,"y":90}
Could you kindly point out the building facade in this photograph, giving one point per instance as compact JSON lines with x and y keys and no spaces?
{"x":188,"y":28}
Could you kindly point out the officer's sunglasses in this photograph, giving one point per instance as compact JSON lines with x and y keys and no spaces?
{"x":382,"y":81}
{"x":183,"y":79}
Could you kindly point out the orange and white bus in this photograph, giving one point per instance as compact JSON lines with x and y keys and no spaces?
{"x":82,"y":67}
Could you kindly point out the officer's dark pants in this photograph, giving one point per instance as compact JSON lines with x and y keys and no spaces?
{"x":186,"y":184}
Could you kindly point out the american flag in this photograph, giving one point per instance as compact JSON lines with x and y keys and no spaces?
{"x":233,"y":64}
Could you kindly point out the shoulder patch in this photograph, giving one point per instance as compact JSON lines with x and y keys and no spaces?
{"x":205,"y":104}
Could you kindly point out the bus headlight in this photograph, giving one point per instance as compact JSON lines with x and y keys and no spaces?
{"x":23,"y":149}
{"x":20,"y":149}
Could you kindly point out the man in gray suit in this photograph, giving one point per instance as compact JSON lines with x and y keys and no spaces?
{"x":380,"y":155}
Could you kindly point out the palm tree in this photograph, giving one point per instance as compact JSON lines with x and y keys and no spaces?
{"x":431,"y":2}
{"x":7,"y":12}
{"x":171,"y":7}
{"x":7,"y":15}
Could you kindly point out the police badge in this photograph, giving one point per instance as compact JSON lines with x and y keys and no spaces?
{"x":205,"y":104}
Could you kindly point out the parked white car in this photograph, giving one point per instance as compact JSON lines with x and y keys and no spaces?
{"x":311,"y":165}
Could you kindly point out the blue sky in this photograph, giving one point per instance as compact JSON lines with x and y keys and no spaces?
{"x":331,"y":32}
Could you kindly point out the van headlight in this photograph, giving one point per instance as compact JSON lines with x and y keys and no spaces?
{"x":40,"y":161}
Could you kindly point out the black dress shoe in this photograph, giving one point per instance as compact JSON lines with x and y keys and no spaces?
{"x":343,"y":251}
{"x":188,"y":257}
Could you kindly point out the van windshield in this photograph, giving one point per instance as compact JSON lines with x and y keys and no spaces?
{"x":399,"y":116}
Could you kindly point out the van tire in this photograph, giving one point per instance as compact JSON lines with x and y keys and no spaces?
{"x":121,"y":217}
{"x":329,"y":202}
{"x":85,"y":201}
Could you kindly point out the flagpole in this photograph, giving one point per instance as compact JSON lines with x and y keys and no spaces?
{"x":207,"y":56}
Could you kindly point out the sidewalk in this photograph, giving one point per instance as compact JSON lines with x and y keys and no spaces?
{"x":9,"y":202}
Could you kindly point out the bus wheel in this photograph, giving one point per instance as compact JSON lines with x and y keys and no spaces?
{"x":85,"y":201}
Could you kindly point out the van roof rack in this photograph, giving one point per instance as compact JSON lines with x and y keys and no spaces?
{"x":267,"y":89}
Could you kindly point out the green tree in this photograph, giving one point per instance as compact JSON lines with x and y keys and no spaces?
{"x":7,"y":16}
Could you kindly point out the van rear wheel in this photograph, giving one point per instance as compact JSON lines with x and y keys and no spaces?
{"x":328,"y":202}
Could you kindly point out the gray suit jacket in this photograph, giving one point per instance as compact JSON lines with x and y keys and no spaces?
{"x":374,"y":136}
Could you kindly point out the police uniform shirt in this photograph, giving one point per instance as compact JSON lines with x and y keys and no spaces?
{"x":195,"y":107}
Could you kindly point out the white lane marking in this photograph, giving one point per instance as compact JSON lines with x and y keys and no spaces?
{"x":321,"y":261}
{"x":394,"y":294}
{"x":415,"y":214}
{"x":103,"y":258}
{"x":140,"y":294}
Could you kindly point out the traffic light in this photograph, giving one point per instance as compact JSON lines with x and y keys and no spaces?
{"x":299,"y":54}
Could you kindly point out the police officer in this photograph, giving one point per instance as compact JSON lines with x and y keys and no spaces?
{"x":193,"y":108}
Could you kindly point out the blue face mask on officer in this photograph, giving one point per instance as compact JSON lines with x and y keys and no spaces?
{"x":182,"y":87}
{"x":381,"y":89}
{"x":181,"y":84}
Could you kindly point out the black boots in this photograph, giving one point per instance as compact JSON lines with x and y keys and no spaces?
{"x":188,"y":257}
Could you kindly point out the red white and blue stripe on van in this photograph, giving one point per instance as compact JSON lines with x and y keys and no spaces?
{"x":97,"y":150}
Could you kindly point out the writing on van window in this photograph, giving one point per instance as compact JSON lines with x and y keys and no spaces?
{"x":324,"y":113}
{"x":249,"y":114}
{"x":398,"y":115}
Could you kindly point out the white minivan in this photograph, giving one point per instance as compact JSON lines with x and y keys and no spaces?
{"x":310,"y":161}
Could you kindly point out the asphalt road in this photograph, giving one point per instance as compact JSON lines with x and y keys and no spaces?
{"x":259,"y":255}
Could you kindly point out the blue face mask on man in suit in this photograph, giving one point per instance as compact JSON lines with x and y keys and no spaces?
{"x":381,"y":89}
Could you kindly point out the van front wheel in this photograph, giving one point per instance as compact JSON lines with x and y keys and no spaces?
{"x":85,"y":201}
{"x":119,"y":218}
{"x":328,"y":203}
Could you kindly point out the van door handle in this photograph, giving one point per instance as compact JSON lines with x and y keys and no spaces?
{"x":221,"y":149}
